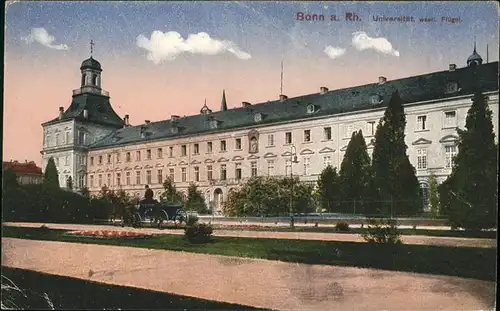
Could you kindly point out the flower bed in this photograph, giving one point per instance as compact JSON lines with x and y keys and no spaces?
{"x":109,"y":234}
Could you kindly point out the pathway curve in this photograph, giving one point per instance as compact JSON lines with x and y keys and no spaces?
{"x":255,"y":282}
{"x":407,"y":239}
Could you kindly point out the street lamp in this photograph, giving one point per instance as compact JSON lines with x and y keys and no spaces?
{"x":293,"y":159}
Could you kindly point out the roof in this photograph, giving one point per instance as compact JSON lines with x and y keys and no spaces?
{"x":91,"y":63}
{"x":433,"y":86}
{"x":22,"y":168}
{"x":474,"y":56}
{"x":99,"y":110}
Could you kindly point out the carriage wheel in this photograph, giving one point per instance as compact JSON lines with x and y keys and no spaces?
{"x":161,"y":218}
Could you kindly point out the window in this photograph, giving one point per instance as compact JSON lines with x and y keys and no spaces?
{"x":183,"y":150}
{"x":196,"y":173}
{"x":159,"y":153}
{"x":99,"y":182}
{"x":171,"y":151}
{"x":58,"y":139}
{"x":421,"y":123}
{"x":222,"y":145}
{"x":254,"y":168}
{"x":137,"y":177}
{"x":288,"y":138}
{"x":270,"y":140}
{"x":68,"y":140}
{"x":237,"y":171}
{"x":148,"y":177}
{"x":307,"y":165}
{"x":148,"y":154}
{"x":138,"y":155}
{"x":196,"y":149}
{"x":209,"y":172}
{"x":159,"y":176}
{"x":109,"y":180}
{"x":371,"y":128}
{"x":450,"y":119}
{"x":66,"y":160}
{"x":81,"y":180}
{"x":127,"y":178}
{"x":288,"y":167}
{"x":310,"y":108}
{"x":450,"y":153}
{"x":183,"y":174}
{"x":421,"y":159}
{"x":327,"y":133}
{"x":81,"y":138}
{"x":327,"y":160}
{"x":237,"y":143}
{"x":56,"y":161}
{"x":118,"y":179}
{"x":209,"y":147}
{"x":307,"y":136}
{"x":109,"y":159}
{"x":81,"y":160}
{"x":171,"y":174}
{"x":128,"y":157}
{"x":100,"y":160}
{"x":117,"y":158}
{"x":270,"y":167}
{"x":223,"y":173}
{"x":92,"y":181}
{"x":47,"y":141}
{"x":91,"y":160}
{"x":348,"y":130}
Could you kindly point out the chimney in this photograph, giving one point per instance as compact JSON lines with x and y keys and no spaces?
{"x":323,"y":90}
{"x":85,"y":113}
{"x":126,"y":120}
{"x":147,"y":121}
{"x":283,"y":98}
{"x":61,"y":111}
{"x":245,"y":104}
{"x":382,"y":80}
{"x":452,"y":67}
{"x":174,"y":117}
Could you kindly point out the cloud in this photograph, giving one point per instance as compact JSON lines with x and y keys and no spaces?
{"x":362,"y":41}
{"x":41,"y":36}
{"x":167,"y":46}
{"x":334,"y":52}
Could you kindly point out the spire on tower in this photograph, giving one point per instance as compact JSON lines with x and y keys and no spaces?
{"x":223,"y":104}
{"x":91,"y":47}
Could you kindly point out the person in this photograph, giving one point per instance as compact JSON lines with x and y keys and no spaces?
{"x":148,"y":196}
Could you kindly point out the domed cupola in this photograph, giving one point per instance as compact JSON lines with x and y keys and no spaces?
{"x":91,"y":72}
{"x":475,"y":59}
{"x":91,"y":63}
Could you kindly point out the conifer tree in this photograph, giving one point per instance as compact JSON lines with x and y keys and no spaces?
{"x":170,"y":193}
{"x":472,"y":203}
{"x":51,"y":178}
{"x":328,"y":188}
{"x":394,"y":176}
{"x":355,"y":175}
{"x":433,"y":195}
{"x":195,"y":200}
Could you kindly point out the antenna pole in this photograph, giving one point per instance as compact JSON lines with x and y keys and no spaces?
{"x":487,"y":54}
{"x":281,"y":89}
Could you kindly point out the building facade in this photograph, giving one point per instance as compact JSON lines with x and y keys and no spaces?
{"x":27,"y":173}
{"x":297,"y":136}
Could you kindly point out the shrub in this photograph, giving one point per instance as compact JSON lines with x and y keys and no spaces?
{"x":382,"y":231}
{"x":342,"y":227}
{"x":198,"y":233}
{"x":192,"y":219}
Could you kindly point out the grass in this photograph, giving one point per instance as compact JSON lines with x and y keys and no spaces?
{"x":71,"y":293}
{"x":468,"y":262}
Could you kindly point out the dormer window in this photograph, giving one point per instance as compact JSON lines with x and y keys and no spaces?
{"x":257,"y":117}
{"x":311,"y":108}
{"x":213,"y":124}
{"x":451,"y":87}
{"x":376,"y":99}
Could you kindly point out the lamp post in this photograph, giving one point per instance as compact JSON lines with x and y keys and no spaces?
{"x":293,"y":159}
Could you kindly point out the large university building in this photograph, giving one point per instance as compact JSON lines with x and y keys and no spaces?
{"x":220,"y":150}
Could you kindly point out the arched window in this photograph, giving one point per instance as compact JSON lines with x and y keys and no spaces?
{"x":84,"y":76}
{"x":94,"y":79}
{"x":424,"y":188}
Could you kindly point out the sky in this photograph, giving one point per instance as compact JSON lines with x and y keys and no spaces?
{"x":166,"y":58}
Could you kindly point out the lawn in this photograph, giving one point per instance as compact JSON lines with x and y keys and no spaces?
{"x":477,"y":263}
{"x":70,"y":293}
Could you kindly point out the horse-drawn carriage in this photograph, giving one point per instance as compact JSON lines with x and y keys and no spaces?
{"x":154,"y":213}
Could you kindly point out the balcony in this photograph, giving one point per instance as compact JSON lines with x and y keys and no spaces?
{"x":90,"y":89}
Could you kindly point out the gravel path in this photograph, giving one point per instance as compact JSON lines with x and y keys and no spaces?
{"x":255,"y":282}
{"x":407,"y":239}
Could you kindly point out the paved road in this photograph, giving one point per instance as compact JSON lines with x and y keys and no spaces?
{"x":256,"y":282}
{"x":407,"y":239}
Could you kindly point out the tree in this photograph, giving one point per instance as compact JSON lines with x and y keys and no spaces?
{"x":170,"y":193}
{"x":51,"y":177}
{"x":328,"y":188}
{"x":355,"y":174}
{"x":472,"y":203}
{"x":195,"y":200}
{"x":394,"y":176}
{"x":11,"y":195}
{"x":69,"y":183}
{"x":433,"y":195}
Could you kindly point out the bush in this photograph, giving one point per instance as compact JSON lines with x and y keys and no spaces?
{"x":192,"y":219}
{"x":342,"y":227}
{"x":198,"y":233}
{"x":382,"y":231}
